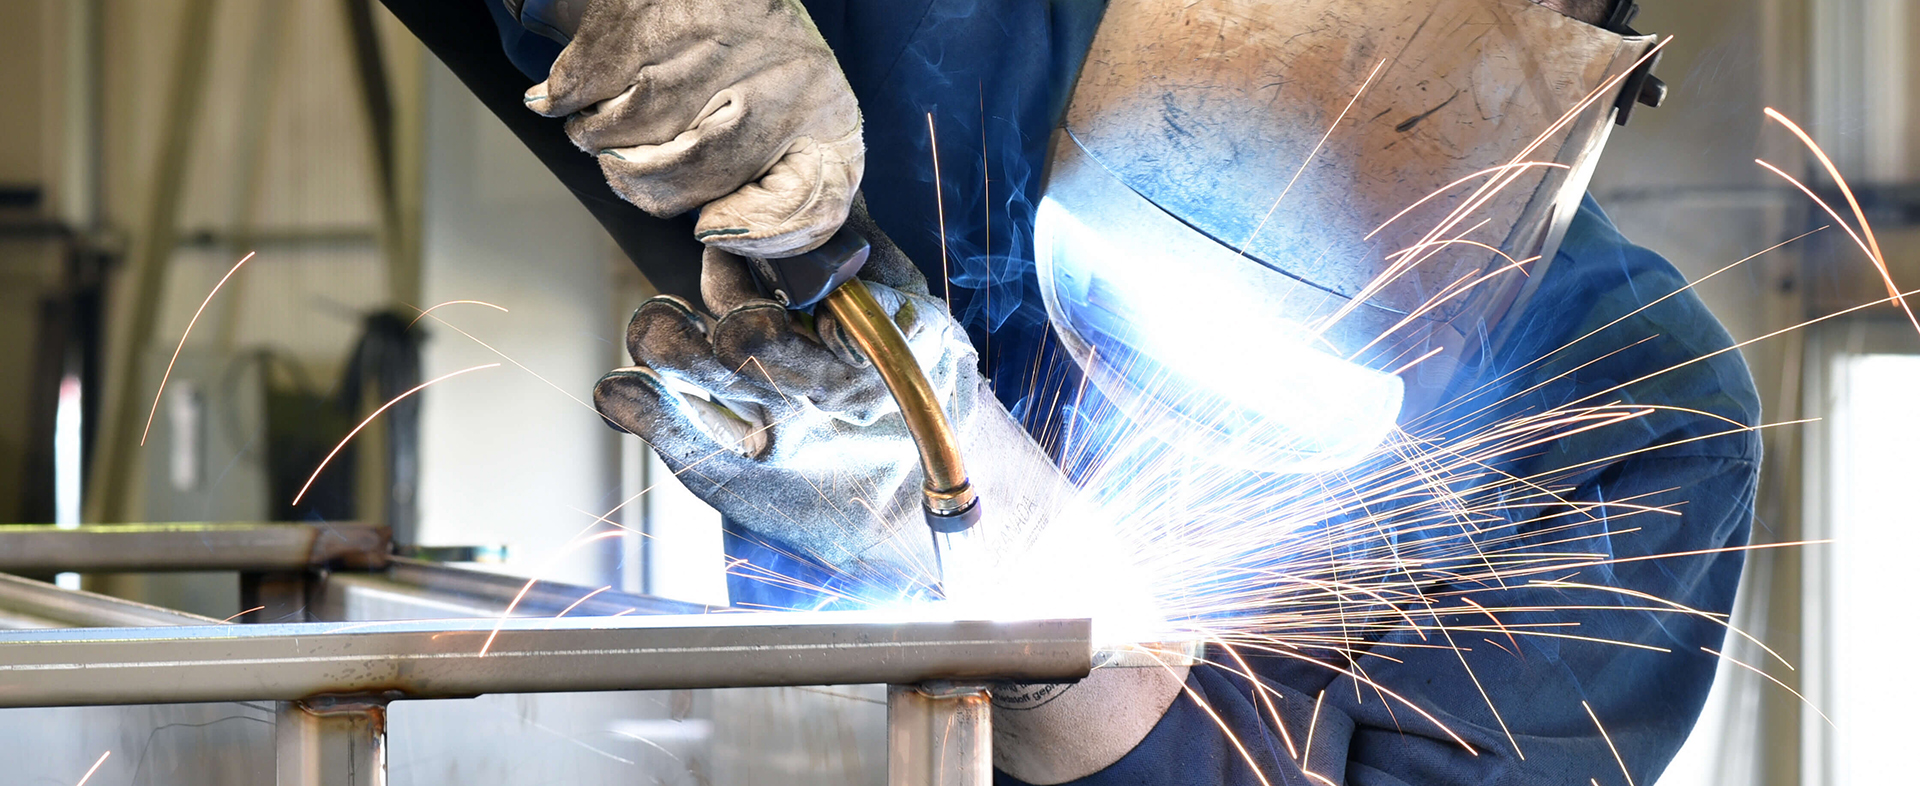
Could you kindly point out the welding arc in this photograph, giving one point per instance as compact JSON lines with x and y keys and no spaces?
{"x":376,"y":413}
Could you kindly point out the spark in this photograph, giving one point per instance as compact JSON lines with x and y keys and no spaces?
{"x":1313,"y":723}
{"x":1331,"y":127}
{"x":1879,"y":259}
{"x":151,"y":411}
{"x":1873,"y":252}
{"x":1245,"y":755}
{"x":94,"y":768}
{"x":986,"y":205}
{"x":583,"y":599}
{"x":376,"y":413}
{"x":940,"y":211}
{"x":430,"y":309}
{"x":243,"y":614}
{"x":1609,"y":739}
{"x":518,"y":364}
{"x":573,"y":544}
{"x":1772,"y":679}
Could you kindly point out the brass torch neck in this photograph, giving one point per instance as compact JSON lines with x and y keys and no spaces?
{"x":951,"y":505}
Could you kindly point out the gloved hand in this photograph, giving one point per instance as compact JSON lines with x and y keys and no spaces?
{"x":777,"y":420}
{"x":734,"y":105}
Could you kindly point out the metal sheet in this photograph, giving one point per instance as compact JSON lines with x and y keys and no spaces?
{"x":108,"y":548}
{"x":445,"y":658}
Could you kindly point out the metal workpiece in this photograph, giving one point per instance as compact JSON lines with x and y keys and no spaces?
{"x":457,"y":658}
{"x":331,"y":742}
{"x":491,"y":593}
{"x":188,"y":546}
{"x":939,"y":734}
{"x":27,"y":603}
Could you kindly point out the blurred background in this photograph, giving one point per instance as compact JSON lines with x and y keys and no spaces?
{"x":148,"y":145}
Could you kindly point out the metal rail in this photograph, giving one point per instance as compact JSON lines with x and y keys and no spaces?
{"x":333,"y":680}
{"x":38,"y":600}
{"x":544,"y":598}
{"x":109,"y":548}
{"x":452,"y":658}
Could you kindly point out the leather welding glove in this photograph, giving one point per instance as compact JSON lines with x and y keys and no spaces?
{"x":778,"y":420}
{"x":734,"y":105}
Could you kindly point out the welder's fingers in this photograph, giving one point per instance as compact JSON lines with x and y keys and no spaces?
{"x":669,"y":337}
{"x":726,"y":282}
{"x":695,"y":438}
{"x":793,"y":208}
{"x":651,"y":105}
{"x":612,"y":43}
{"x":763,"y":341}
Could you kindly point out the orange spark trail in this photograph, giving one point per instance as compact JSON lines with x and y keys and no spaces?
{"x":423,"y":314}
{"x":518,"y":364}
{"x":528,"y":587}
{"x":376,"y":413}
{"x":940,"y":210}
{"x":583,"y":599}
{"x":183,"y":344}
{"x":1879,"y":259}
{"x":243,"y":614}
{"x":94,"y":768}
{"x":1603,"y":735}
{"x":1310,"y":154}
{"x":1771,"y":678}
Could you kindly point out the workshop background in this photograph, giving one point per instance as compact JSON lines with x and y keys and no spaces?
{"x":147,"y":145}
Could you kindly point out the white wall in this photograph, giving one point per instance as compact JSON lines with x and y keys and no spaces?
{"x":505,"y":457}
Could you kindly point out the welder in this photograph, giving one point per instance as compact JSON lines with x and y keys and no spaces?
{"x":1218,"y":184}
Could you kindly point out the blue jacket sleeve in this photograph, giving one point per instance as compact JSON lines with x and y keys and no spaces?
{"x":1532,"y":653}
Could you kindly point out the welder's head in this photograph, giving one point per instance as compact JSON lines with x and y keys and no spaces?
{"x":1273,"y":231}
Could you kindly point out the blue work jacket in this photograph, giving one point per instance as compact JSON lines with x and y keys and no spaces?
{"x":994,"y":75}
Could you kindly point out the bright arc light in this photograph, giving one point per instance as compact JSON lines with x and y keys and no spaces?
{"x":1186,"y":339}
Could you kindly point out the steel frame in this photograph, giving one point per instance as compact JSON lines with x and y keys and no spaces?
{"x":334,"y":679}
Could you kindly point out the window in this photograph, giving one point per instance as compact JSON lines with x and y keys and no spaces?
{"x":1863,"y":474}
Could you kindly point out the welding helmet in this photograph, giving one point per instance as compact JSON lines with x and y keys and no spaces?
{"x":1272,"y":231}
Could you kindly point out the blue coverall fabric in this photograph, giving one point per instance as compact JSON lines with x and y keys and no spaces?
{"x":995,"y":75}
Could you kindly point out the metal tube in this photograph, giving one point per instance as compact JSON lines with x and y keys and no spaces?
{"x":947,"y":489}
{"x":454,"y":658}
{"x":110,"y":548}
{"x":331,"y":742}
{"x":494,"y":591}
{"x":939,"y":734}
{"x":38,"y":599}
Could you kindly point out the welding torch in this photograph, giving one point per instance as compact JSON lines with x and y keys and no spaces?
{"x":826,"y":276}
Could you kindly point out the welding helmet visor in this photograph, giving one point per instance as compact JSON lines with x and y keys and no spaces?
{"x":1274,"y":230}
